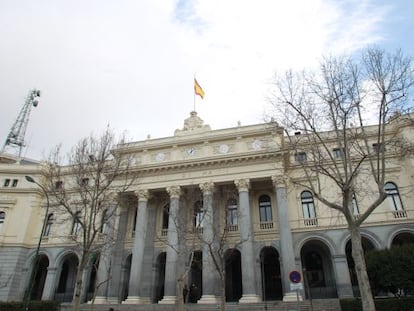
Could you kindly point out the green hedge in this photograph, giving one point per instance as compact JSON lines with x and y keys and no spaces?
{"x":385,"y":304}
{"x":33,"y":306}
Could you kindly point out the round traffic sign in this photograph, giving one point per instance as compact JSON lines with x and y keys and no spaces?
{"x":295,"y":276}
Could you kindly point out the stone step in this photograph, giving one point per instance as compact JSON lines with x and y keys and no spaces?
{"x":314,"y":305}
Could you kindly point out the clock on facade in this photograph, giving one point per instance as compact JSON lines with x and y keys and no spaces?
{"x":223,"y":148}
{"x":160,"y":157}
{"x":192,"y":151}
{"x":257,"y":144}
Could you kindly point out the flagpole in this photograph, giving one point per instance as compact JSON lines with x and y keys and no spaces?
{"x":194,"y":95}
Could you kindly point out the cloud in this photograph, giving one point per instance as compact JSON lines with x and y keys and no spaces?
{"x":131,"y":63}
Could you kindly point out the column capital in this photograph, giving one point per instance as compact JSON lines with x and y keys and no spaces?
{"x":207,"y":187}
{"x":280,"y":181}
{"x":142,"y":194}
{"x":242,"y":184}
{"x":174,"y":191}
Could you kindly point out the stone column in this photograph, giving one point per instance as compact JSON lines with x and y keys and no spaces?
{"x":135,"y":280}
{"x":49,"y":288}
{"x":342,"y":277}
{"x":250,"y":291}
{"x":210,"y":276}
{"x":117,"y":257}
{"x":170,"y":284}
{"x":285,"y":235}
{"x":104,"y":267}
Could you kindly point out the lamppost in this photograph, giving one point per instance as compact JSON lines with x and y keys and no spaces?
{"x":29,"y":287}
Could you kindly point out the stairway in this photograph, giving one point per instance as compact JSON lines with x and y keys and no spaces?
{"x":314,"y":305}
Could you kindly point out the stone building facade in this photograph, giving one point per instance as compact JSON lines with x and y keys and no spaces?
{"x":196,"y":186}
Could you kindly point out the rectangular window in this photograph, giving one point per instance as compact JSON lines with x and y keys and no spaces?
{"x":15,"y":181}
{"x":232,"y":215}
{"x":378,"y":147}
{"x":300,"y":157}
{"x":337,"y":153}
{"x":59,"y":185}
{"x":84,"y":182}
{"x":6,"y":182}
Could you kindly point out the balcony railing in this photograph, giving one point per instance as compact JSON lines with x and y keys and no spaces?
{"x":232,"y":228}
{"x":266,"y":225}
{"x":310,"y":222}
{"x":400,"y":214}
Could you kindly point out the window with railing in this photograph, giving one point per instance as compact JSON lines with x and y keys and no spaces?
{"x":76,"y":225}
{"x":198,"y":214}
{"x":49,"y":223}
{"x":232,"y":215}
{"x":308,"y":208}
{"x":165,"y":216}
{"x":394,"y":200}
{"x":265,"y":212}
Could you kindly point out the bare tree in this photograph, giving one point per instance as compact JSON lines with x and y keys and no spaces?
{"x":346,"y":114}
{"x":84,"y":190}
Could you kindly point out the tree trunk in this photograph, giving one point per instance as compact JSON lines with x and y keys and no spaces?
{"x":180,"y":296}
{"x":78,"y":290}
{"x":361,"y":270}
{"x":223,"y":294}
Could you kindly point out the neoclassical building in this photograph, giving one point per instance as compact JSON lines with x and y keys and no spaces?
{"x":236,"y":185}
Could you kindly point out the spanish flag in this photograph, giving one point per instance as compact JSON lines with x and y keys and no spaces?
{"x":197,"y":89}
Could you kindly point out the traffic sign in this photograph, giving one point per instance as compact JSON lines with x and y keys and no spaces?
{"x":295,"y":276}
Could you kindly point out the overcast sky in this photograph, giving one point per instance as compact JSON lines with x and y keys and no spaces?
{"x":131,"y":64}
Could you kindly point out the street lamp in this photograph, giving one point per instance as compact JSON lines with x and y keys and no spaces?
{"x":29,"y":287}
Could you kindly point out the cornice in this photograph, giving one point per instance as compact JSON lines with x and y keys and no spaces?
{"x":208,"y":162}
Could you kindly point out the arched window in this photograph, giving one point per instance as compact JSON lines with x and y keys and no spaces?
{"x":76,"y":223}
{"x":308,"y":205}
{"x":231,"y":212}
{"x":265,"y":208}
{"x":393,"y":196}
{"x":49,"y":223}
{"x":104,"y":221}
{"x":198,"y":214}
{"x":165,"y":216}
{"x":355,"y":207}
{"x":2,"y":218}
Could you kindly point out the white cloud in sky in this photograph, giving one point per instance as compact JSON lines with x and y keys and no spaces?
{"x":130,"y":64}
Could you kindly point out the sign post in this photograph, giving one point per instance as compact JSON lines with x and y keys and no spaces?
{"x":295,"y":278}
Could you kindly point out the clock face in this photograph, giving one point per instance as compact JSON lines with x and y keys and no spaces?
{"x":160,"y":157}
{"x":257,"y":144}
{"x":223,"y":148}
{"x":192,"y":151}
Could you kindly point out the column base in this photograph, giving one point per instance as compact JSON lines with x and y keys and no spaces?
{"x":250,"y":299}
{"x":209,"y":299}
{"x":136,"y":300}
{"x":99,"y":300}
{"x":112,"y":300}
{"x":168,"y":300}
{"x":292,"y":296}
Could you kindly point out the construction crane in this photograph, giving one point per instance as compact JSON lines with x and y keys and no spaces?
{"x":15,"y":139}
